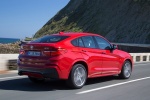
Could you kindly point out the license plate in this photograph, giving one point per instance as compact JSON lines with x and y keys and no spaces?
{"x":33,"y":53}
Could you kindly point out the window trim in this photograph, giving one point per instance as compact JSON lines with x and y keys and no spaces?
{"x":94,"y":40}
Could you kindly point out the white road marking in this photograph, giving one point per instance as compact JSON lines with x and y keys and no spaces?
{"x":14,"y":77}
{"x":113,"y":85}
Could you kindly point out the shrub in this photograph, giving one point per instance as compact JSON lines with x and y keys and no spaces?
{"x":9,"y":48}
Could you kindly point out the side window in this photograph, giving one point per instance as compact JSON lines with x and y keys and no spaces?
{"x":102,"y":43}
{"x":77,"y":42}
{"x":74,"y":42}
{"x":80,"y":42}
{"x":88,"y":42}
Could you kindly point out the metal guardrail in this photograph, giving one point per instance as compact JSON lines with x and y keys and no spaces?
{"x":135,"y":45}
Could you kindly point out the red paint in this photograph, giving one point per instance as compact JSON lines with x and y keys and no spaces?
{"x":63,"y":55}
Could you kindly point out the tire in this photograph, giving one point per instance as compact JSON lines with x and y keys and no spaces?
{"x":126,"y":70}
{"x":77,"y":77}
{"x":36,"y":80}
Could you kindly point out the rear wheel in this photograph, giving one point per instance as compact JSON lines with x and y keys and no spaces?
{"x":126,"y":70}
{"x":78,"y":76}
{"x":36,"y":80}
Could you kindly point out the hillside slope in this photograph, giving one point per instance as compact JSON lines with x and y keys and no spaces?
{"x":125,"y":21}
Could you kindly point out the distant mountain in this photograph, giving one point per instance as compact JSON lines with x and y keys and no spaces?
{"x":8,"y":40}
{"x":125,"y":21}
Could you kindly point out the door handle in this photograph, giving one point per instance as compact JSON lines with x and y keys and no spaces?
{"x":83,"y":50}
{"x":103,"y":53}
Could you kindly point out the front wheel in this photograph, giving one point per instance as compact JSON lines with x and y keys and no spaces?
{"x":126,"y":70}
{"x":78,"y":76}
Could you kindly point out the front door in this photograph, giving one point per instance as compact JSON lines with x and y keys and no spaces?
{"x":110,"y":60}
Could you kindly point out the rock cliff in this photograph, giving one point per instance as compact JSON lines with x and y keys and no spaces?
{"x":125,"y":21}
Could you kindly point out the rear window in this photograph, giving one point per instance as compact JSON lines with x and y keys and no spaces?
{"x":50,"y":39}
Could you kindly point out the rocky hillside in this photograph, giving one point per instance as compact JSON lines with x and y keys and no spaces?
{"x":125,"y":21}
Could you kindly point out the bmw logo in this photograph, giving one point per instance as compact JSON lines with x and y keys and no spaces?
{"x":31,"y":47}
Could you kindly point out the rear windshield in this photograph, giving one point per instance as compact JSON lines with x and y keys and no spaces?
{"x":50,"y":39}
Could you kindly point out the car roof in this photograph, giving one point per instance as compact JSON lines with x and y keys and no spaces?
{"x":76,"y":34}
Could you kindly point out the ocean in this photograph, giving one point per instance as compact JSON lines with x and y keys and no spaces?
{"x":8,"y":40}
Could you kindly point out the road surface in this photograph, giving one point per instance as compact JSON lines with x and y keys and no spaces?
{"x":13,"y":87}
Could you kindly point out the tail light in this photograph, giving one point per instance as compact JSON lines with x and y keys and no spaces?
{"x":22,"y":52}
{"x":54,"y":51}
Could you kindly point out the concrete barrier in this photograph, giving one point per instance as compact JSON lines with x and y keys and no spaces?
{"x":140,"y":57}
{"x":11,"y":58}
{"x":4,"y":58}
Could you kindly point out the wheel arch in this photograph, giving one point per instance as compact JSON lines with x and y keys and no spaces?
{"x":80,"y":62}
{"x":123,"y":74}
{"x":84,"y":64}
{"x":130,"y":62}
{"x":70,"y":81}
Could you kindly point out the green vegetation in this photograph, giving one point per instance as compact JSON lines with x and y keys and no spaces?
{"x":28,"y":39}
{"x":9,"y":48}
{"x":57,"y":26}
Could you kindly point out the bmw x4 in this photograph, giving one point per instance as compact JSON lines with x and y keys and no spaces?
{"x":73,"y":57}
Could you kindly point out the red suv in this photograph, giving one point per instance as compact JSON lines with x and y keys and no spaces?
{"x":73,"y":57}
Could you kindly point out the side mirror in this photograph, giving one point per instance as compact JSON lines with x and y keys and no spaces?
{"x":114,"y":46}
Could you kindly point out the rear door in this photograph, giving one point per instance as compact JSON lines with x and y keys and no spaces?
{"x":91,"y":54}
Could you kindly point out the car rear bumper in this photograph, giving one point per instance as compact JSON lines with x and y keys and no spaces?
{"x":50,"y":73}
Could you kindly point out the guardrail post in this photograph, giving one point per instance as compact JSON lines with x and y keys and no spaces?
{"x":148,"y":57}
{"x":134,"y":58}
{"x":141,"y":58}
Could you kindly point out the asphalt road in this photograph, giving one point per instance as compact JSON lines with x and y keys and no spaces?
{"x":13,"y":87}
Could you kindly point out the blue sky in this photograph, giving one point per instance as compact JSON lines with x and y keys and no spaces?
{"x":23,"y":18}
